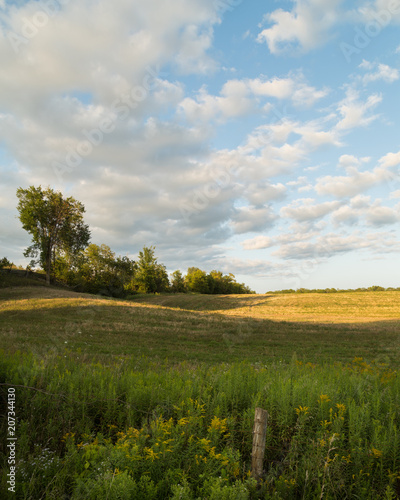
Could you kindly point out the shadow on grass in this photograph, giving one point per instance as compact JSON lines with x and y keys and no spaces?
{"x":121,"y":328}
{"x":199,"y":302}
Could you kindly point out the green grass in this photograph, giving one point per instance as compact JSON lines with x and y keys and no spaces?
{"x":154,"y":398}
{"x":137,"y":429}
{"x":256,"y":328}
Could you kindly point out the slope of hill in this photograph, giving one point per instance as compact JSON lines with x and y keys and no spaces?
{"x":148,"y":397}
{"x":258,"y":328}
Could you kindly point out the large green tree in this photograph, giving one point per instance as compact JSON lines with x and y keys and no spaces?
{"x":55,"y":223}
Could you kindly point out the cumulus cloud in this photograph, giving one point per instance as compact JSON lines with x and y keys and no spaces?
{"x":383,"y":12}
{"x":252,"y":219}
{"x":357,"y":181}
{"x":331,"y":244}
{"x":293,"y":87}
{"x":259,"y":194}
{"x":306,"y":210}
{"x":240,"y":97}
{"x":257,"y":243}
{"x":120,"y":106}
{"x":383,"y":72}
{"x":381,"y":216}
{"x":305,"y":27}
{"x":362,"y":210}
{"x":234,"y":101}
{"x":355,"y":112}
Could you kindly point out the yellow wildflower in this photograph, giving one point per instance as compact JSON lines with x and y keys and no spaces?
{"x":302,"y":409}
{"x":323,"y":398}
{"x":150,"y":454}
{"x":218,"y":425}
{"x":376,"y":453}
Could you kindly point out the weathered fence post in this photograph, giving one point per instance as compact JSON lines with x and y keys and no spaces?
{"x":259,"y":434}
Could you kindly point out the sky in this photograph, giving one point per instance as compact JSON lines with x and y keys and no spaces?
{"x":257,"y":138}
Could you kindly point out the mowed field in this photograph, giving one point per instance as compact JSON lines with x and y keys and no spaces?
{"x":316,"y":327}
{"x":154,"y":398}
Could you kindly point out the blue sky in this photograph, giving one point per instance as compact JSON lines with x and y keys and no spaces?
{"x":259,"y":138}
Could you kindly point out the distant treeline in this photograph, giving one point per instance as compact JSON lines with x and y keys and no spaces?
{"x":98,"y":270}
{"x":374,"y":288}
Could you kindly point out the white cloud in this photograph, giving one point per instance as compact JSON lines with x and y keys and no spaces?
{"x":357,"y":181}
{"x":354,"y":112}
{"x":307,"y":26}
{"x":305,"y":210}
{"x":192,"y":56}
{"x":383,"y":72}
{"x":293,"y":87}
{"x":380,"y":12}
{"x":331,"y":244}
{"x":240,"y":97}
{"x":281,"y":88}
{"x":259,"y":194}
{"x":233,"y":102}
{"x":380,"y":216}
{"x":284,"y":144}
{"x":360,"y":201}
{"x":249,"y":219}
{"x":111,"y":56}
{"x":314,"y":136}
{"x":171,"y":173}
{"x":257,"y":243}
{"x":390,"y":160}
{"x":361,"y":209}
{"x":346,"y":215}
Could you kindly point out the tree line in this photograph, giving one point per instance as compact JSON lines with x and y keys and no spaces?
{"x":61,"y":247}
{"x":97,"y":269}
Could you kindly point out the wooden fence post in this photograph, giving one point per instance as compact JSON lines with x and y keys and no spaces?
{"x":259,"y":435}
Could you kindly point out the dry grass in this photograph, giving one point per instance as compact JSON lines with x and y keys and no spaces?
{"x":350,"y":307}
{"x":259,"y":328}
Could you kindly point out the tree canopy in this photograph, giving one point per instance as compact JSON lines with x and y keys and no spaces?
{"x":60,"y":244}
{"x":97,"y":270}
{"x":55,"y":223}
{"x":151,"y":277}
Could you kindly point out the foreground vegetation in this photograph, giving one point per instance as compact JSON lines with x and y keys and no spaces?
{"x":154,"y":398}
{"x":134,"y":429}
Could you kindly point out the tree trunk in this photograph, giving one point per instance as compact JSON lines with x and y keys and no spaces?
{"x":48,"y":269}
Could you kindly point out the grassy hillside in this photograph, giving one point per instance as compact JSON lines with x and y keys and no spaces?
{"x":257,"y":328}
{"x":154,"y":398}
